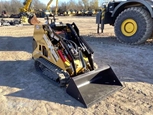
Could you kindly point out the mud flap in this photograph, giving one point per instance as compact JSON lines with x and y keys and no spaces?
{"x":33,"y":20}
{"x":91,"y":87}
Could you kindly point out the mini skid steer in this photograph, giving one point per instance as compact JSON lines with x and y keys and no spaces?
{"x":62,"y":55}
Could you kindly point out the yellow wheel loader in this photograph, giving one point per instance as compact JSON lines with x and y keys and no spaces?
{"x":63,"y":56}
{"x":132,"y":20}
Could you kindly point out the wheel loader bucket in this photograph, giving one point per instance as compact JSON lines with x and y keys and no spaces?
{"x":91,"y":87}
{"x":33,"y":20}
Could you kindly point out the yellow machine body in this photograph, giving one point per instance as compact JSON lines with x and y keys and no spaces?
{"x":44,"y":45}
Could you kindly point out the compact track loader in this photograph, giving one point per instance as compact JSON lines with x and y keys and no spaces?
{"x":62,"y":55}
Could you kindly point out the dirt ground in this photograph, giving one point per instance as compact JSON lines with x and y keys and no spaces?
{"x":24,"y":92}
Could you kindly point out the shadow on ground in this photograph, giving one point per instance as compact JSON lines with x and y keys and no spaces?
{"x":22,"y":75}
{"x":8,"y":43}
{"x":113,"y":40}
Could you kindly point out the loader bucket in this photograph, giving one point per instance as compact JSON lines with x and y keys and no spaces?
{"x":92,"y":86}
{"x":33,"y":20}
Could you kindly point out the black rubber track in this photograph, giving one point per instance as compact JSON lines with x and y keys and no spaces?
{"x":143,"y":20}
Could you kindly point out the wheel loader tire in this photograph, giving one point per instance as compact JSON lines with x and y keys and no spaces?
{"x":133,"y":26}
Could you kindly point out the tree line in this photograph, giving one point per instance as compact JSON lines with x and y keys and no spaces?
{"x":81,"y":4}
{"x":13,"y":6}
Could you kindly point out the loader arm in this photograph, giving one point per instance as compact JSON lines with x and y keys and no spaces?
{"x":26,"y":6}
{"x":48,"y":5}
{"x":56,"y":7}
{"x":28,"y":15}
